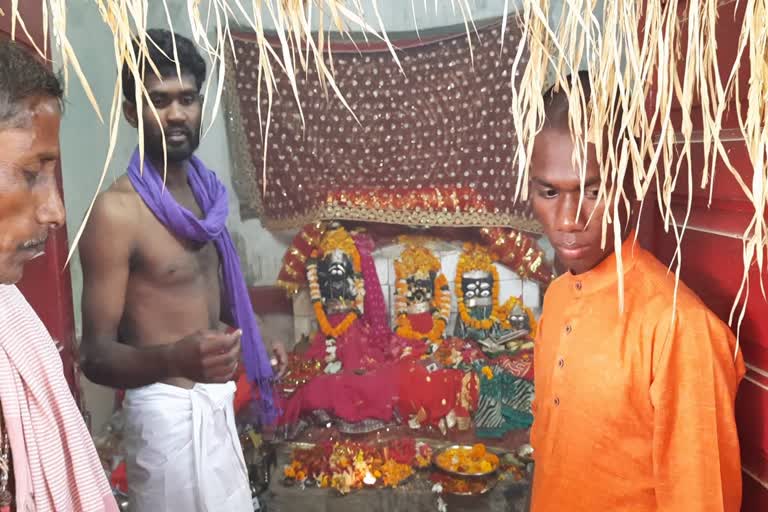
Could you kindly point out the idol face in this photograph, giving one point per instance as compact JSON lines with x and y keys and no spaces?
{"x":335,"y":275}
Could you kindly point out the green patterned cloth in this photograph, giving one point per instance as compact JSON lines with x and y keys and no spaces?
{"x":504,"y":403}
{"x":478,"y":313}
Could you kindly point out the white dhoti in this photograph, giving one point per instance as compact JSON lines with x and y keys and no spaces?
{"x":182,"y":450}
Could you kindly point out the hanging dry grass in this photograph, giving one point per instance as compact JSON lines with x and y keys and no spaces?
{"x":290,"y":20}
{"x":622,"y":62}
{"x":626,"y":45}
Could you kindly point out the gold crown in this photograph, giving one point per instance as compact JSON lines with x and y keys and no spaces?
{"x":416,"y":260}
{"x":475,"y":257}
{"x":339,"y":239}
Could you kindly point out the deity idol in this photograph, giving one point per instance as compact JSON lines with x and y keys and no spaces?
{"x":497,"y":327}
{"x":422,"y":296}
{"x":354,"y":342}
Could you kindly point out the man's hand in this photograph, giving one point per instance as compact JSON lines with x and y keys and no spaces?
{"x":206,"y":356}
{"x":280,"y":355}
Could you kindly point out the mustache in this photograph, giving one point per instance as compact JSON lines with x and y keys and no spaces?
{"x":176,"y":129}
{"x":38,"y":243}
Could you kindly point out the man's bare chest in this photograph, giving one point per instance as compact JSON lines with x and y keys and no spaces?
{"x":164,"y":258}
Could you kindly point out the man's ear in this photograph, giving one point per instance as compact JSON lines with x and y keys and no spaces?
{"x":129,"y":111}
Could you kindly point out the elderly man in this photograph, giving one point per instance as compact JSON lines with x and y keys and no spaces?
{"x":46,"y":453}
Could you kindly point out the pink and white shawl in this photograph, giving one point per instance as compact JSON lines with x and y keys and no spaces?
{"x":55,"y":464}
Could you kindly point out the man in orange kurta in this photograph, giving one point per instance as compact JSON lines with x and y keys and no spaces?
{"x":634,"y":409}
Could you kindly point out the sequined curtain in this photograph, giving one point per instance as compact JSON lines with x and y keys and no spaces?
{"x":434,"y":144}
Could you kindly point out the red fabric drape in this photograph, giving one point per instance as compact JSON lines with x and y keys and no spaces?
{"x":431,"y":145}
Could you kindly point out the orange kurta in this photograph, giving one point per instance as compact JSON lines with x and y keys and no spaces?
{"x":634,"y":411}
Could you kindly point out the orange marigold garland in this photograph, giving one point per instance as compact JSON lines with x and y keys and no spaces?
{"x":337,"y":239}
{"x":418,"y":261}
{"x":476,"y":257}
{"x":348,"y":465}
{"x":475,"y":460}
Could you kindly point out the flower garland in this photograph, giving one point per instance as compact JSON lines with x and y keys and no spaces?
{"x":337,"y":239}
{"x":349,"y":465}
{"x":418,"y":261}
{"x":476,"y":257}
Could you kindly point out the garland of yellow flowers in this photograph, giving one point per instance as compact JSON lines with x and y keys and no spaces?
{"x":337,"y":239}
{"x":413,"y":261}
{"x":476,"y":257}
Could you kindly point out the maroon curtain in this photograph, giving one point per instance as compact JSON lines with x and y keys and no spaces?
{"x":434,"y":145}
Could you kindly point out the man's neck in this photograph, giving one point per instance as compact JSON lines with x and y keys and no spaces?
{"x":175,"y":173}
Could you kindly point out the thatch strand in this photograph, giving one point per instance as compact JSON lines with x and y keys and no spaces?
{"x":626,"y":48}
{"x":644,"y":59}
{"x":211,"y":30}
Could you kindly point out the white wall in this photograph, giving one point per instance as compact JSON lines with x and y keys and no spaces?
{"x":403,"y":15}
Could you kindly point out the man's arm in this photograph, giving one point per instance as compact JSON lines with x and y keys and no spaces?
{"x":105,"y":252}
{"x":695,"y":443}
{"x":275,"y":349}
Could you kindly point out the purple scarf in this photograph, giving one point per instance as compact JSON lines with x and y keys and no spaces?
{"x":211,"y":196}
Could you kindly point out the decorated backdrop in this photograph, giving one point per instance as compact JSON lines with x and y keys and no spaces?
{"x":430,"y":146}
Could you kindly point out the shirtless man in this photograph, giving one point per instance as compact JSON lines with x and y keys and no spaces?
{"x":155,"y":295}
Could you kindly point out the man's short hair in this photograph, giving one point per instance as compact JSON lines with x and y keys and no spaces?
{"x":556,"y":111}
{"x":22,"y":76}
{"x":160,"y":52}
{"x":556,"y":102}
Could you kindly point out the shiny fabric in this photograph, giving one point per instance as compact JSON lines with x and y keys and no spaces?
{"x":431,"y":144}
{"x":182,"y":450}
{"x":634,"y":411}
{"x":504,"y":403}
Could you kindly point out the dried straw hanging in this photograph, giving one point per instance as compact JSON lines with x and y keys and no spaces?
{"x":210,"y":22}
{"x":622,"y":61}
{"x":625,"y":45}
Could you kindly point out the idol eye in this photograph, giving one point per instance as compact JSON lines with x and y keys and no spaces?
{"x":471,"y":286}
{"x":485,"y":286}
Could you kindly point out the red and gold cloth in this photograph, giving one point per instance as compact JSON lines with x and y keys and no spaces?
{"x":432,"y":144}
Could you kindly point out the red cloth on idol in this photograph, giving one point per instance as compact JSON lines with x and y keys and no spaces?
{"x":244,"y":392}
{"x":355,"y":348}
{"x":347,"y":396}
{"x":421,"y":322}
{"x":435,"y":392}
